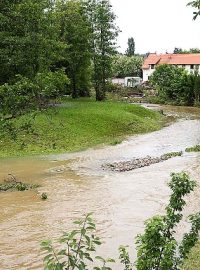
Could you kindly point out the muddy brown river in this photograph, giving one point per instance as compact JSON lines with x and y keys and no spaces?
{"x":77,"y":184}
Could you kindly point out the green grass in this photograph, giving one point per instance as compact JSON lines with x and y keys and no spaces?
{"x":78,"y":125}
{"x":193,"y":149}
{"x":193,"y":262}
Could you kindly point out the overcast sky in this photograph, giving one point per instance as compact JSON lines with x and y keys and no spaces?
{"x":156,"y":25}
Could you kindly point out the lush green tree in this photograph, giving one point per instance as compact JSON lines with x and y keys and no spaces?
{"x":75,"y":32}
{"x":131,"y":47}
{"x":174,"y":84}
{"x":28,"y":38}
{"x":104,"y":33}
{"x":124,"y":66}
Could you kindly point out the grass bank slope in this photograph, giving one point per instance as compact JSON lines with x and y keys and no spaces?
{"x":193,"y":262}
{"x":77,"y":125}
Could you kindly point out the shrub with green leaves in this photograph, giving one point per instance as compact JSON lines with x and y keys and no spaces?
{"x":52,"y":84}
{"x":174,"y":84}
{"x":18,"y":97}
{"x":26,"y":95}
{"x":77,"y":249}
{"x":157,"y":248}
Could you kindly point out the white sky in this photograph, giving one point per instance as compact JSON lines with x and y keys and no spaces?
{"x":156,"y":25}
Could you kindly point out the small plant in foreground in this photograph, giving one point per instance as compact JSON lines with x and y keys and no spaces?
{"x":157,"y":248}
{"x":44,"y":196}
{"x":124,"y":258}
{"x":77,"y":248}
{"x":193,"y":149}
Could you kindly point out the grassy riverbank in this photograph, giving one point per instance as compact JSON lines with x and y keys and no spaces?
{"x":193,"y":262}
{"x":75,"y":126}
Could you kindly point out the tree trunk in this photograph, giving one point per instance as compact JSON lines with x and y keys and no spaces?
{"x":74,"y":90}
{"x":100,"y":93}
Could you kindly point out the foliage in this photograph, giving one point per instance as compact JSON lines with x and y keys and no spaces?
{"x":193,"y":149}
{"x":104,"y":33}
{"x":124,"y":258}
{"x":174,"y":84}
{"x":19,"y":97}
{"x":75,"y":32}
{"x":52,"y":84}
{"x":181,"y":51}
{"x":44,"y":196}
{"x":195,"y":4}
{"x":172,"y":154}
{"x":28,"y":38}
{"x":76,"y":249}
{"x":124,"y":66}
{"x":26,"y":95}
{"x":157,"y":247}
{"x":131,"y":47}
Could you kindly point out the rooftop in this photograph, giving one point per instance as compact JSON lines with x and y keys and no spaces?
{"x":171,"y":59}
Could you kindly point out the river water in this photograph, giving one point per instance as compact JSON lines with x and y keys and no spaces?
{"x":77,"y":184}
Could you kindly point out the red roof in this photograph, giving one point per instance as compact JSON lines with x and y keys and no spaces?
{"x":171,"y":59}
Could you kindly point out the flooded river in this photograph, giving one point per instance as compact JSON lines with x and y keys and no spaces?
{"x":77,"y":184}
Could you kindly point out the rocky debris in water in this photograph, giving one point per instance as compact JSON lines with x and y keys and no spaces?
{"x":137,"y":163}
{"x":11,"y":183}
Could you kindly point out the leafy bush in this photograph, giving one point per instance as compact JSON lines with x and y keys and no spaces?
{"x":174,"y":84}
{"x":157,"y":247}
{"x":52,"y":84}
{"x":77,"y":248}
{"x":26,"y":95}
{"x":19,"y":97}
{"x":125,"y":66}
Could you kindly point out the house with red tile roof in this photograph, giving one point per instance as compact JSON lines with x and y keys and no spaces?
{"x":190,"y":62}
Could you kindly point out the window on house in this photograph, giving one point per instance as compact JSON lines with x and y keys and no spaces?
{"x":191,"y":66}
{"x":183,"y":66}
{"x":197,"y":67}
{"x":152,"y":66}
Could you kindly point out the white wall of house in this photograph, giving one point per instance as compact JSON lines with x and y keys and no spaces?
{"x":147,"y":72}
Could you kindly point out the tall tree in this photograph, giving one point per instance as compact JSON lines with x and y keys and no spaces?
{"x":75,"y":32}
{"x":131,"y":47}
{"x":104,"y":32}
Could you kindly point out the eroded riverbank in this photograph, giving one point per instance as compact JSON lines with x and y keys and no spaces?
{"x":76,"y":184}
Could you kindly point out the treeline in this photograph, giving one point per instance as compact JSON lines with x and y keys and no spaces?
{"x":49,"y":48}
{"x":182,"y":51}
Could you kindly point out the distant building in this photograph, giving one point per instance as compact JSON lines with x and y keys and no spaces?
{"x":127,"y":81}
{"x":190,"y":62}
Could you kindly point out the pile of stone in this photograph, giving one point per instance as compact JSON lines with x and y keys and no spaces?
{"x":137,"y":163}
